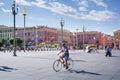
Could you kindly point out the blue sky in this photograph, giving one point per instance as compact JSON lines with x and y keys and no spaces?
{"x":99,"y":15}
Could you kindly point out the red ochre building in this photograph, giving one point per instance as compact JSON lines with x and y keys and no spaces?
{"x":94,"y":38}
{"x":117,"y":39}
{"x":48,"y":36}
{"x":43,"y":35}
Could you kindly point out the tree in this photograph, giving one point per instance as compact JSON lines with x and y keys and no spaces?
{"x":18,"y":41}
{"x":11,"y":41}
{"x":2,"y":41}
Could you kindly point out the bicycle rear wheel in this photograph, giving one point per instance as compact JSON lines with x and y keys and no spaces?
{"x":57,"y":65}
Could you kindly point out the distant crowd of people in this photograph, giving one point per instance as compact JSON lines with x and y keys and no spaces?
{"x":29,"y":49}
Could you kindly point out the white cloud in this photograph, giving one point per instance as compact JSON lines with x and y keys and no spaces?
{"x":55,"y":7}
{"x":83,"y":9}
{"x":99,"y":15}
{"x":69,"y":11}
{"x":6,"y":10}
{"x":40,"y":3}
{"x":83,"y":3}
{"x":100,"y":3}
{"x":63,"y":9}
{"x":1,"y":4}
{"x":23,"y":2}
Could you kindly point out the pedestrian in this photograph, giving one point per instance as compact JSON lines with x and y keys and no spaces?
{"x":108,"y":50}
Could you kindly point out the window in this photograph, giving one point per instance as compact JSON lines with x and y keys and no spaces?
{"x":41,"y":33}
{"x":28,"y":33}
{"x":25,"y":34}
{"x":117,"y":35}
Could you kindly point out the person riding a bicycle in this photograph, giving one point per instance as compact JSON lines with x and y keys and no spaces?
{"x":65,"y":56}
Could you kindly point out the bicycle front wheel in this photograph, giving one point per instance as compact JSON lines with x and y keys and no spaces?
{"x":57,"y":65}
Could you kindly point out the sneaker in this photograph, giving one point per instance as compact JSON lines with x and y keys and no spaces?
{"x":63,"y":65}
{"x":66,"y":67}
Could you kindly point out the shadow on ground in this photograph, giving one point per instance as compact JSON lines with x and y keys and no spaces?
{"x":83,"y":72}
{"x":6,"y":68}
{"x":79,"y":61}
{"x":34,"y":57}
{"x":115,"y":56}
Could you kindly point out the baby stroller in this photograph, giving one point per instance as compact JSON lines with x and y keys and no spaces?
{"x":89,"y":49}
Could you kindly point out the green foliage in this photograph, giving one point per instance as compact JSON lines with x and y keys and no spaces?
{"x":11,"y":41}
{"x":18,"y":41}
{"x":1,"y":44}
{"x":2,"y":41}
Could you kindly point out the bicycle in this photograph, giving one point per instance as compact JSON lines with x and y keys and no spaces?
{"x":57,"y":65}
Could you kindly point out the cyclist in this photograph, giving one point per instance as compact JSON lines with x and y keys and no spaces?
{"x":65,"y":56}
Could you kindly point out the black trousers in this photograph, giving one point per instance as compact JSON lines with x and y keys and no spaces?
{"x":108,"y":53}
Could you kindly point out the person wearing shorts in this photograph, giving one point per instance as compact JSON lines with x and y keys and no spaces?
{"x":65,"y":56}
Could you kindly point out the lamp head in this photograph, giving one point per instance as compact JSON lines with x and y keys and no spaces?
{"x":24,"y":11}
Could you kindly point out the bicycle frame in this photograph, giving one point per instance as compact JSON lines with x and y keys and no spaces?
{"x":58,"y":65}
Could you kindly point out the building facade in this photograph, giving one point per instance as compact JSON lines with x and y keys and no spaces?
{"x":43,"y":35}
{"x":117,"y":39}
{"x":6,"y":32}
{"x":93,"y":38}
{"x":48,"y":36}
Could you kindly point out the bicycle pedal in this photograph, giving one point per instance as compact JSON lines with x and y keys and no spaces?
{"x":63,"y":65}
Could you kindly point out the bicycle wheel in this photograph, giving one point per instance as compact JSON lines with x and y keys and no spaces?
{"x":57,"y":65}
{"x":70,"y":63}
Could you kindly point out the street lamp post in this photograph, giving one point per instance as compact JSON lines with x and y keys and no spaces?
{"x":83,"y":37}
{"x":24,"y":14}
{"x":76,"y":37}
{"x":62,"y":24}
{"x":73,"y":39}
{"x":94,"y":40}
{"x":36,"y":36}
{"x":14,"y":12}
{"x":104,"y":41}
{"x":117,"y":45}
